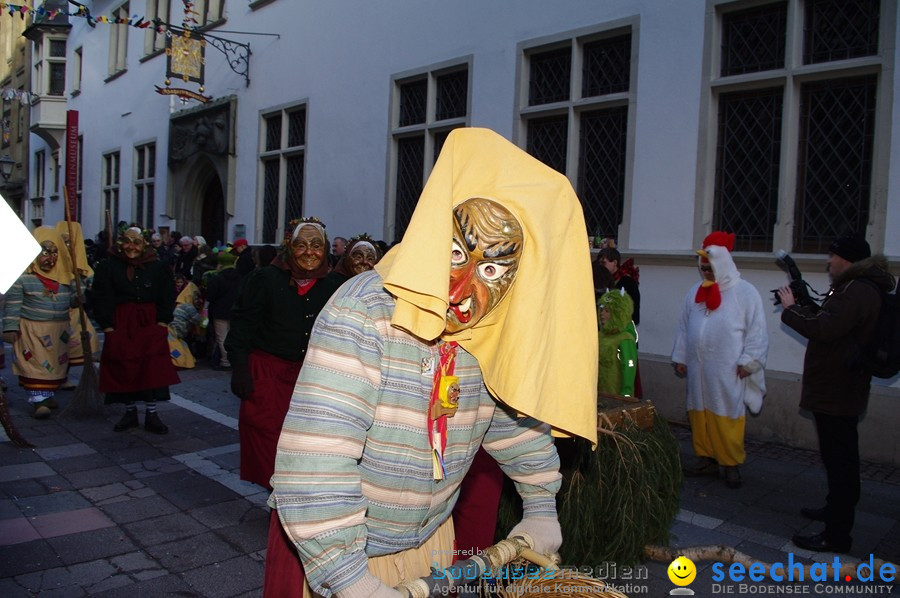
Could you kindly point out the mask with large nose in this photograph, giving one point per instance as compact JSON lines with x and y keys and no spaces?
{"x":484,"y":258}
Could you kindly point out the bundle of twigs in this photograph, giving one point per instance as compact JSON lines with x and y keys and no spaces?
{"x":549,"y":585}
{"x":6,"y":419}
{"x":619,"y":498}
{"x":503,"y":570}
{"x":86,"y":402}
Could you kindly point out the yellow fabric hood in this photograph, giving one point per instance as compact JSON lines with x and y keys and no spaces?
{"x":538,"y":347}
{"x":59,"y":273}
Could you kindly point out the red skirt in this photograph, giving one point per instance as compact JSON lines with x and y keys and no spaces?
{"x":262,"y":415}
{"x":136,"y":352}
{"x":284,"y":576}
{"x":475,"y":512}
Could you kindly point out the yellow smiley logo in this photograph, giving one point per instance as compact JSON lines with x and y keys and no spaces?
{"x":682,"y":571}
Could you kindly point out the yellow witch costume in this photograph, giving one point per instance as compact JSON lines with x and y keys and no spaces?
{"x":76,"y":246}
{"x":185,"y":319}
{"x":37,"y":317}
{"x":378,"y":351}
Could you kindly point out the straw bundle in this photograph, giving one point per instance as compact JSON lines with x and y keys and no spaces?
{"x":86,"y":402}
{"x":503,"y":570}
{"x":565,"y":584}
{"x":619,"y":498}
{"x":8,"y":426}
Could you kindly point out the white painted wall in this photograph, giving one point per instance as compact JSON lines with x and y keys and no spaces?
{"x":340,"y":56}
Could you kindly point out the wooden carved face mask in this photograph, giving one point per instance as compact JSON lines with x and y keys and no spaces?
{"x":308,"y":247}
{"x":131,"y":243}
{"x":362,"y":257}
{"x":484,"y":258}
{"x":46,"y":259}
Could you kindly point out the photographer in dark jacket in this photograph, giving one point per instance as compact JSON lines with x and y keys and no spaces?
{"x":835,"y":381}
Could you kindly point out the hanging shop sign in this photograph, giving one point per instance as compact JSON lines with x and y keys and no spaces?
{"x":185,"y":60}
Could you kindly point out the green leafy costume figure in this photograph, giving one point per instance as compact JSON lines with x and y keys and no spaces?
{"x":618,"y":343}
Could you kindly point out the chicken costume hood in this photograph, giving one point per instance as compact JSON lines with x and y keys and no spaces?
{"x":532,"y":347}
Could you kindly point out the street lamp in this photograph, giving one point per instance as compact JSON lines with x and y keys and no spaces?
{"x":6,"y":167}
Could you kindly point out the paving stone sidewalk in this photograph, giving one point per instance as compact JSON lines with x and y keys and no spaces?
{"x":91,"y":512}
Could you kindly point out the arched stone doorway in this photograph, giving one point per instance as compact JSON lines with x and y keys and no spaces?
{"x":199,"y":200}
{"x":212,"y":225}
{"x":201,"y":163}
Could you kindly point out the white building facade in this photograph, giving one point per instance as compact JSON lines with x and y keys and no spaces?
{"x":773,"y":119}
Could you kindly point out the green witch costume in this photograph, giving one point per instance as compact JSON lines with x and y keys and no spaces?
{"x":618,"y":344}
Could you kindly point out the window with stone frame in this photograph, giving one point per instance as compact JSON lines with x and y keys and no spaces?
{"x":118,"y":41}
{"x":574,"y":116}
{"x":55,"y":173}
{"x":144,"y":184}
{"x":426,"y":105}
{"x":40,"y":164}
{"x":794,"y":145}
{"x":21,"y":114}
{"x":110,"y":186}
{"x":209,"y":12}
{"x":282,"y":160}
{"x":154,"y":39}
{"x":7,"y":124}
{"x":50,"y":66}
{"x":77,"y":64}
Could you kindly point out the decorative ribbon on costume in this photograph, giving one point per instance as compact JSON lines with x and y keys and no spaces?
{"x":443,"y":403}
{"x":710,"y":294}
{"x":51,"y":285}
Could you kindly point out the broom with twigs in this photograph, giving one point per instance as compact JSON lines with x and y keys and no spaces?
{"x":86,"y":402}
{"x":8,"y":426}
{"x":508,"y":569}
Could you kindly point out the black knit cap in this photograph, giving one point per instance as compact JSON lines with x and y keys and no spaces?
{"x":851,"y":248}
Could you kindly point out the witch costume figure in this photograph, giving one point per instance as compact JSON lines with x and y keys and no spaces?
{"x":461,"y":336}
{"x":134,"y":297}
{"x":618,"y":344}
{"x":270,"y":326}
{"x":36,"y":323}
{"x":360,"y":255}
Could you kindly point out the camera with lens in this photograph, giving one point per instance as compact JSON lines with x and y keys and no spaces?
{"x":799,"y":287}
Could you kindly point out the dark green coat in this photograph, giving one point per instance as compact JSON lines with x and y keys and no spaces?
{"x":152,"y":283}
{"x":270,"y":316}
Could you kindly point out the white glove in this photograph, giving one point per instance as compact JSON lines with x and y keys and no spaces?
{"x":368,"y":586}
{"x":543,"y":534}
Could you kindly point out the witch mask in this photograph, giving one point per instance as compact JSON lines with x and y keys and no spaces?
{"x":484,"y":258}
{"x":363,"y":257}
{"x":308,"y":246}
{"x":47,"y":258}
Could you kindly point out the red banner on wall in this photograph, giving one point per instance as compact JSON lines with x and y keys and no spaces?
{"x":72,"y":162}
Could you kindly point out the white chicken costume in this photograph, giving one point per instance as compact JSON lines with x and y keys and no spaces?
{"x":722,"y":327}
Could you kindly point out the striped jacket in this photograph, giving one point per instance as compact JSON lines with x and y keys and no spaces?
{"x":353,"y":474}
{"x":28,"y":299}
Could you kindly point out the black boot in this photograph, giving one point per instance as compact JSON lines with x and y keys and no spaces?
{"x":152,"y":423}
{"x":129,"y":420}
{"x":732,"y":476}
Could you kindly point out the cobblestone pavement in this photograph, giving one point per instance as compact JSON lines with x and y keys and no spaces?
{"x":91,"y":512}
